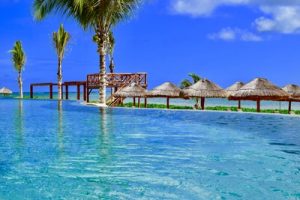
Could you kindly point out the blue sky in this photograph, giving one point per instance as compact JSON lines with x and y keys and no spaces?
{"x":222,"y":40}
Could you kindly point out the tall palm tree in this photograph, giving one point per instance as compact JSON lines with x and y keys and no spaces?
{"x":19,"y":60}
{"x":187,"y":83}
{"x":60,"y":41}
{"x":100,"y":15}
{"x":111,"y":49}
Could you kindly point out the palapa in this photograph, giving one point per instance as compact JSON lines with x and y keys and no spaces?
{"x":204,"y":89}
{"x":234,"y":88}
{"x":168,"y":90}
{"x":294,"y":92}
{"x":5,"y":91}
{"x":134,"y":90}
{"x":259,"y":89}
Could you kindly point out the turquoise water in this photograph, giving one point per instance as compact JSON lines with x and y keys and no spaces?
{"x":67,"y":151}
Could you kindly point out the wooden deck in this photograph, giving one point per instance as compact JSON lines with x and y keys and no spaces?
{"x":116,"y":81}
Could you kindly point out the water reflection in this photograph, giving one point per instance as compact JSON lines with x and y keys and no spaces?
{"x":60,"y":129}
{"x":105,"y":134}
{"x":19,"y":126}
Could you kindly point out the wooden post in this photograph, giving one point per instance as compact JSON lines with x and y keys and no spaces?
{"x":202,"y":103}
{"x":87,"y":95}
{"x":67,"y":92}
{"x":51,"y":91}
{"x":239,"y":104}
{"x":290,"y":107}
{"x":84,"y":92}
{"x":139,"y":102}
{"x":145,"y":102}
{"x":134,"y":101}
{"x":258,"y":105}
{"x":31,"y":91}
{"x":78,"y":92}
{"x":168,"y":102}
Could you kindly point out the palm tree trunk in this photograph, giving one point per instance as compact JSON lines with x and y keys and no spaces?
{"x":59,"y":79}
{"x":102,"y":73}
{"x":20,"y":84}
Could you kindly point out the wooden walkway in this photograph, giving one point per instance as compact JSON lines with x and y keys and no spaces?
{"x":116,"y":81}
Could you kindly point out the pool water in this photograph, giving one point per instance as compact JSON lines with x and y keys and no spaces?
{"x":52,"y":150}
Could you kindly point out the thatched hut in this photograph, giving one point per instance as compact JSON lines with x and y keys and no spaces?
{"x":257,"y":90}
{"x":167,"y":90}
{"x":234,"y":88}
{"x":134,"y":91}
{"x":204,"y":89}
{"x":5,"y":91}
{"x":294,"y":92}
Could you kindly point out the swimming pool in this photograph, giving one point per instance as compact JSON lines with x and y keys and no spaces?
{"x":68,"y":151}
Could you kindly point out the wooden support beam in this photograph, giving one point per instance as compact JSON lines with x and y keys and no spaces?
{"x":290,"y":107}
{"x":88,"y":95}
{"x":31,"y":91}
{"x":258,"y":105}
{"x":51,"y":91}
{"x":202,"y":103}
{"x":139,"y":102}
{"x":78,"y":92}
{"x":239,"y":104}
{"x":134,"y":101}
{"x":168,"y":102}
{"x":67,"y":92}
{"x":84,"y":92}
{"x":145,"y":102}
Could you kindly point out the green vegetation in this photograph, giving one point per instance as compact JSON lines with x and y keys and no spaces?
{"x":60,"y":41}
{"x":187,"y":83}
{"x":19,"y":60}
{"x":212,"y":108}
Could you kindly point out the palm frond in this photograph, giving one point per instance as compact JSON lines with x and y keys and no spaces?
{"x":60,"y":41}
{"x":18,"y":56}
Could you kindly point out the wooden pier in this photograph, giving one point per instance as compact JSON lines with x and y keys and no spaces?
{"x":115,"y":81}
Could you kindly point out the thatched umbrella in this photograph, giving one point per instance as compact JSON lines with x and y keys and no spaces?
{"x":205,"y":89}
{"x":233,"y":88}
{"x":294,"y":92}
{"x":5,"y":91}
{"x":257,"y":90}
{"x":134,"y":90}
{"x":168,"y":90}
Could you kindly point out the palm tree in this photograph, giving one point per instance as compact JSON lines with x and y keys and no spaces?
{"x":99,"y":15}
{"x":187,"y":83}
{"x":19,"y":59}
{"x":60,"y":41}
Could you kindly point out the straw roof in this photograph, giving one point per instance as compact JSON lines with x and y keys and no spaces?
{"x":235,"y":87}
{"x":259,"y":89}
{"x":133,"y":90}
{"x":165,"y":90}
{"x":205,"y":88}
{"x":5,"y":91}
{"x":293,"y":90}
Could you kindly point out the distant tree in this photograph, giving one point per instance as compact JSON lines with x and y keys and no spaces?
{"x":187,"y":83}
{"x":60,"y":41}
{"x":19,"y":60}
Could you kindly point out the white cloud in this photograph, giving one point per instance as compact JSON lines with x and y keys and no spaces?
{"x":231,"y":34}
{"x":281,"y":16}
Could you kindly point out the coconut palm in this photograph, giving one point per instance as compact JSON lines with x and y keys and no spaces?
{"x":99,"y":15}
{"x":19,"y":60}
{"x":60,"y":41}
{"x":187,"y":83}
{"x":111,"y":49}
